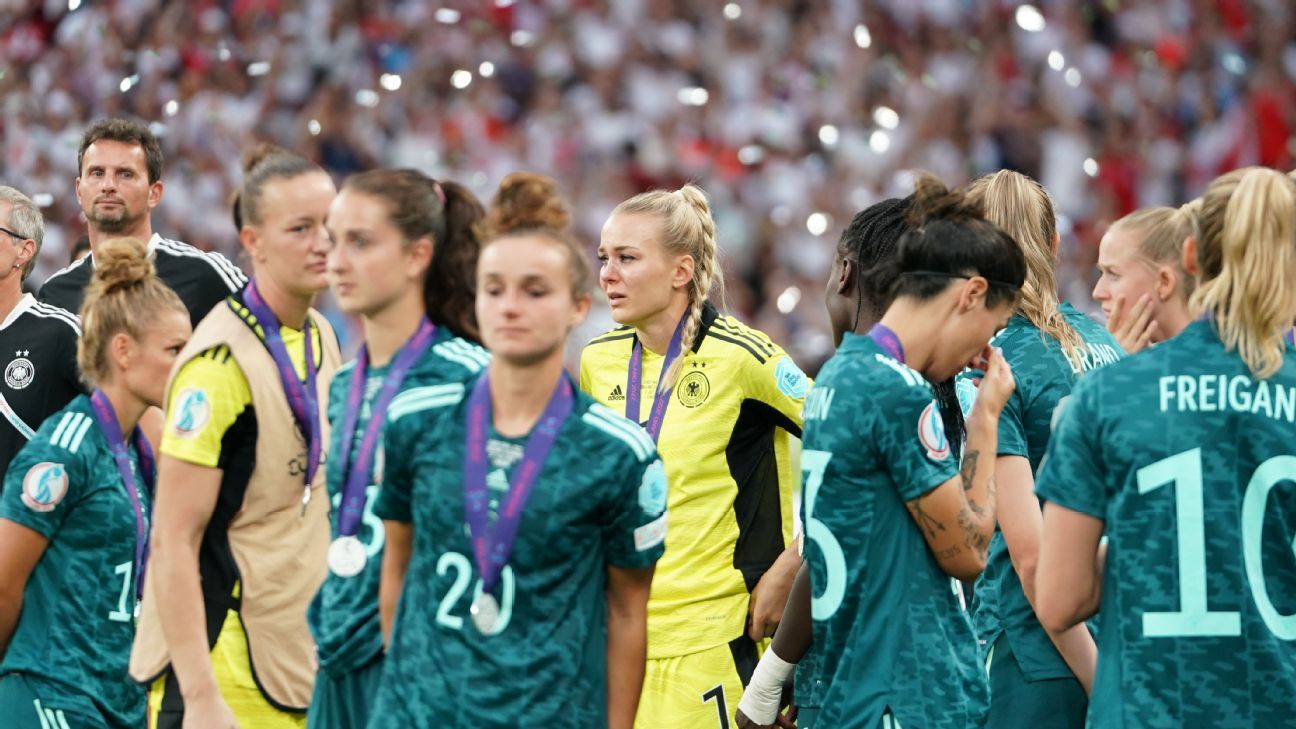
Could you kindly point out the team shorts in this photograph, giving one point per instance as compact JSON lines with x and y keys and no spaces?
{"x":233,"y":669}
{"x":23,"y":707}
{"x":343,"y":702}
{"x":699,"y":690}
{"x":1018,"y":703}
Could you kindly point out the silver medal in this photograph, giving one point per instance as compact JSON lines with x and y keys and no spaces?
{"x":347,"y":556}
{"x":485,"y":613}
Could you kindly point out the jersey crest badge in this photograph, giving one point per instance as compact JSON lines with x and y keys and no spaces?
{"x":789,"y":378}
{"x":192,"y":412}
{"x":693,"y":389}
{"x":652,"y":490}
{"x":931,"y":432}
{"x":20,"y":371}
{"x":44,"y":486}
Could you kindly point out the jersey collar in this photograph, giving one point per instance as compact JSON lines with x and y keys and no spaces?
{"x":23,"y":305}
{"x":153,"y":243}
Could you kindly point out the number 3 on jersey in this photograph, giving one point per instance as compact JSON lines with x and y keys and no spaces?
{"x":377,"y":535}
{"x":825,"y":604}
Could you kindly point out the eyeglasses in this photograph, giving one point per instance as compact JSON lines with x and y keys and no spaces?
{"x":12,"y":234}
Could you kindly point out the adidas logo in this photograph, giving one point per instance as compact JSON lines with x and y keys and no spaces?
{"x":617,"y":394}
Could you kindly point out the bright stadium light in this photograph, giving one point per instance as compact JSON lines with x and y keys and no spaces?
{"x":829,"y":135}
{"x":863,"y":38}
{"x":1029,"y":18}
{"x":504,"y":3}
{"x":314,"y":127}
{"x":817,"y":223}
{"x":128,"y":82}
{"x":390,"y":81}
{"x":733,"y":11}
{"x":693,"y":96}
{"x":521,"y":38}
{"x":879,"y":141}
{"x":751,"y":154}
{"x":73,"y":5}
{"x":43,"y":199}
{"x":1056,"y":60}
{"x":367,"y":97}
{"x":172,"y":107}
{"x":1090,"y":166}
{"x":486,"y":69}
{"x":461,"y":78}
{"x":788,"y":300}
{"x":448,"y":16}
{"x":886,"y":117}
{"x":1072,"y":77}
{"x":259,"y":68}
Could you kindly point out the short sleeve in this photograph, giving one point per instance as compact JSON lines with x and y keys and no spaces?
{"x":779,"y":383}
{"x":396,"y":495}
{"x":908,"y":427}
{"x":1072,"y":474}
{"x":44,"y":481}
{"x":70,"y":373}
{"x":207,"y":396}
{"x":634,"y":520}
{"x":1012,"y":426}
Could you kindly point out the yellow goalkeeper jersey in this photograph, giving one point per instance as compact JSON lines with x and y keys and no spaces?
{"x":725,"y":444}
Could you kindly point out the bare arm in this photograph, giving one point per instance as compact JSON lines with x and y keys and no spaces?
{"x":765,"y":609}
{"x":1022,"y":525}
{"x":186,"y":497}
{"x":1068,"y":582}
{"x":794,"y":636}
{"x":627,"y":646}
{"x":20,"y":549}
{"x":396,"y":557}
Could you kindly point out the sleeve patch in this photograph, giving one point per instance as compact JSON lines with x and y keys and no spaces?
{"x":651,"y":534}
{"x":931,"y":432}
{"x":652,"y":490}
{"x":44,"y":486}
{"x":192,"y":412}
{"x":967,"y":394}
{"x":789,"y":378}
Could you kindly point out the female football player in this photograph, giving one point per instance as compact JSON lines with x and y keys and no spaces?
{"x":1142,"y":286}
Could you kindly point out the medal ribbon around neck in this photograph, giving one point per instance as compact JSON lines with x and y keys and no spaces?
{"x":888,"y":340}
{"x":106,"y":418}
{"x":493,"y":543}
{"x":634,"y":382}
{"x":303,"y":399}
{"x":356,"y":479}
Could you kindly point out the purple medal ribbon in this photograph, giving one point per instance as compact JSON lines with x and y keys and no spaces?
{"x":106,"y":417}
{"x":888,"y":340}
{"x":634,"y":382}
{"x":357,"y":478}
{"x":303,"y":400}
{"x":493,"y":543}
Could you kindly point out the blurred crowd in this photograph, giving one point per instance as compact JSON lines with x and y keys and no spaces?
{"x":791,"y":114}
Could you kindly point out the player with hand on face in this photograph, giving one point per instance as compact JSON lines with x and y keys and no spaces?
{"x":396,"y":234}
{"x":1183,"y":458}
{"x":522,"y":519}
{"x":75,"y":512}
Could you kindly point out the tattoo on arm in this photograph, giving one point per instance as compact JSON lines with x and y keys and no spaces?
{"x":948,"y":553}
{"x":969,"y":469}
{"x":926,"y":522}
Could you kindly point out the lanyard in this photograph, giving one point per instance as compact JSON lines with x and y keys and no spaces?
{"x":356,"y":479}
{"x":303,"y":399}
{"x":493,"y":543}
{"x":106,"y":417}
{"x":634,"y":383}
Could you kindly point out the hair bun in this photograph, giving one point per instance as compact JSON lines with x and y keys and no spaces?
{"x":526,"y":200}
{"x":259,"y":153}
{"x":932,"y":200}
{"x":121,"y":263}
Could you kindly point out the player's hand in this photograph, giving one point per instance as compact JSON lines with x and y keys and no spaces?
{"x":1134,"y":329}
{"x":997,"y":384}
{"x":765,"y":609}
{"x":208,"y":713}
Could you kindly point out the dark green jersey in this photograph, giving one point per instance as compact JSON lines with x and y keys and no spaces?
{"x":888,"y":624}
{"x":600,"y":500}
{"x":74,"y":634}
{"x":1191,"y":464}
{"x":1044,"y":376}
{"x":344,"y":615}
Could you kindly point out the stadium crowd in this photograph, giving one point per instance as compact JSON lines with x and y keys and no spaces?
{"x":793,"y":115}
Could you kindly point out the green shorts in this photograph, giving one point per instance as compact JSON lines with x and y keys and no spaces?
{"x":1016,"y":703}
{"x":23,"y":707}
{"x":343,"y":702}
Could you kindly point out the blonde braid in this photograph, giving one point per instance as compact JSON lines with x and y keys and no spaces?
{"x":706,"y":271}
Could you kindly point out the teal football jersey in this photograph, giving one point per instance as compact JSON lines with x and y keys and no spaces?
{"x":344,"y":615}
{"x":73,"y":638}
{"x":889,"y":628}
{"x":600,"y":500}
{"x":1191,"y":464}
{"x":1044,"y":376}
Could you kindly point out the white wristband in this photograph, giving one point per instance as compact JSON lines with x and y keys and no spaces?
{"x":760,"y":700}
